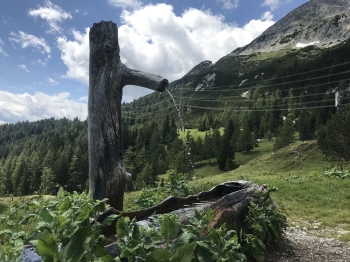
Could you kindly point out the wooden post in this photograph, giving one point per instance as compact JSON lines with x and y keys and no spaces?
{"x":108,"y":76}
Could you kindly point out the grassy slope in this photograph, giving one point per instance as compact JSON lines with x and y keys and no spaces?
{"x":303,"y":190}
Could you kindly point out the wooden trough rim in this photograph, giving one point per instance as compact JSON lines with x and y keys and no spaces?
{"x":173,"y":203}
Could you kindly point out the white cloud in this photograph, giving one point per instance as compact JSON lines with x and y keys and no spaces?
{"x":51,"y":13}
{"x":2,"y":122}
{"x":1,"y":50}
{"x":75,"y":55}
{"x":83,"y":98}
{"x":227,"y":4}
{"x":76,"y":11}
{"x":125,"y":3}
{"x":267,"y":16}
{"x":19,"y":107}
{"x":273,"y":4}
{"x":155,"y":40}
{"x":52,"y":82}
{"x":41,"y":62}
{"x":24,"y":67}
{"x":26,"y":40}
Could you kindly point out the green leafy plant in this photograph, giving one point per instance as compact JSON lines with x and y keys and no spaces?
{"x":151,"y":244}
{"x":266,"y":224}
{"x":213,"y":244}
{"x":59,"y":228}
{"x":337,"y":173}
{"x":64,"y":232}
{"x":176,"y":185}
{"x":16,"y":225}
{"x":148,"y":197}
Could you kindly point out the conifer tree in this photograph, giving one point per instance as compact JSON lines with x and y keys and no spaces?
{"x":334,"y":138}
{"x":2,"y":185}
{"x":285,"y":135}
{"x":47,"y":182}
{"x":208,"y":146}
{"x":226,"y":150}
{"x":246,"y":141}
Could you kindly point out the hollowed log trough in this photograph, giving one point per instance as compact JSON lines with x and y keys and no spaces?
{"x":229,"y":202}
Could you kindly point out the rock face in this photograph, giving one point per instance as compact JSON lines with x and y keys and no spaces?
{"x":317,"y":22}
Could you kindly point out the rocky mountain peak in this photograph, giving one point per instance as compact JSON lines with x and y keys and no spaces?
{"x":317,"y":22}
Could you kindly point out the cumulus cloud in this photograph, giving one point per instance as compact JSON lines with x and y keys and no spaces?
{"x":24,"y":67}
{"x":273,"y":4}
{"x":75,"y":55}
{"x":155,"y":40}
{"x":27,"y":40}
{"x":53,"y":14}
{"x":19,"y":107}
{"x":267,"y":16}
{"x":227,"y":4}
{"x":52,"y":82}
{"x":125,"y":3}
{"x":1,"y":50}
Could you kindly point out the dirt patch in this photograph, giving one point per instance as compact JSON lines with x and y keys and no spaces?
{"x":299,"y":245}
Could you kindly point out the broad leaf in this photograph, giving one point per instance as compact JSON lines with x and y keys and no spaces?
{"x":184,"y":253}
{"x":78,"y":246}
{"x":108,"y":220}
{"x":83,"y":213}
{"x":203,"y":253}
{"x":169,"y":227}
{"x":47,"y":217}
{"x":158,"y":255}
{"x":60,"y":192}
{"x":47,"y":247}
{"x":182,"y":239}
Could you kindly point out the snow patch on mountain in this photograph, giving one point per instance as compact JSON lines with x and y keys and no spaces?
{"x":301,"y":45}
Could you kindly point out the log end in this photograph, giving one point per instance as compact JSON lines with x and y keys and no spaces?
{"x":163,"y":85}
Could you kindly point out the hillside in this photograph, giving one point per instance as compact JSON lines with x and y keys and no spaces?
{"x":299,"y":79}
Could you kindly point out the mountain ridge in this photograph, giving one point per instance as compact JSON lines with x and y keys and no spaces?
{"x":321,"y":22}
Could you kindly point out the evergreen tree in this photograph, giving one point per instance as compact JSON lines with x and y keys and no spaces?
{"x":165,"y":129}
{"x":144,"y":178}
{"x":285,"y":135}
{"x":226,"y":150}
{"x":2,"y":185}
{"x":62,"y":173}
{"x":76,"y":171}
{"x":35,"y":172}
{"x":305,"y":126}
{"x":208,"y":146}
{"x":20,"y":169}
{"x":47,"y":184}
{"x":229,"y":164}
{"x":334,"y":139}
{"x":246,"y":141}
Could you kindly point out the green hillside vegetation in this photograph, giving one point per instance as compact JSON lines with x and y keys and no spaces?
{"x":303,"y":189}
{"x":266,"y":136}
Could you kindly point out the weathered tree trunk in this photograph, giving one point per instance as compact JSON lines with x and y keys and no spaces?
{"x":229,"y":202}
{"x":108,"y":76}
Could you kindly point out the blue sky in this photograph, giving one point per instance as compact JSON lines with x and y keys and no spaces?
{"x":44,"y":45}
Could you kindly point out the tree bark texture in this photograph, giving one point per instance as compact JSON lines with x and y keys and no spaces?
{"x":108,"y":76}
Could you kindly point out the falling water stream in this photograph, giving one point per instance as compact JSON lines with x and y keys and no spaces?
{"x":178,"y":111}
{"x":182,"y":128}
